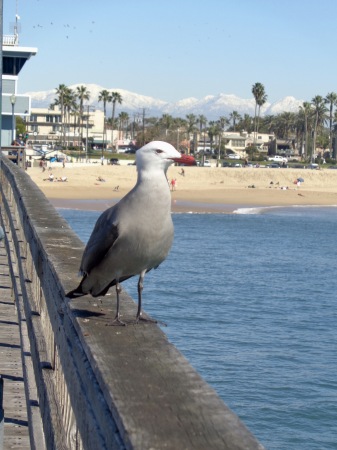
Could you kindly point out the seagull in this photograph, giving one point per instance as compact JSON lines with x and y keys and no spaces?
{"x":135,"y":235}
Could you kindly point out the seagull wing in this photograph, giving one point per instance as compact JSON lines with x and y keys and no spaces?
{"x":103,"y":237}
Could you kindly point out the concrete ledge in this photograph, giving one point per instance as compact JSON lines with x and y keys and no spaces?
{"x":122,"y":387}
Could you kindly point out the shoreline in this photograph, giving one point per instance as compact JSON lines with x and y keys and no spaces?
{"x":178,"y":206}
{"x":201,"y":190}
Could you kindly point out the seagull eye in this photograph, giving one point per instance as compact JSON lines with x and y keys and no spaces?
{"x":159,"y":151}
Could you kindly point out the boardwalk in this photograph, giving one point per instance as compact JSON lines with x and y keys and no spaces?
{"x":16,"y":435}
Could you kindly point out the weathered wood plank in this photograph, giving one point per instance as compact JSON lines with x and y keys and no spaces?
{"x":16,"y":433}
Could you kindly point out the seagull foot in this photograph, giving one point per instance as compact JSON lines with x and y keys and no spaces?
{"x":148,"y":320}
{"x":117,"y":322}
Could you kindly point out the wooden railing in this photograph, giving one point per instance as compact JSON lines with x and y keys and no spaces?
{"x":99,"y":387}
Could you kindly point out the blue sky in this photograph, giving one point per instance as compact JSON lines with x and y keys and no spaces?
{"x":173,"y":49}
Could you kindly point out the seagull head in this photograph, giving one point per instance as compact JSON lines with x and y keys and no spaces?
{"x":156,"y":154}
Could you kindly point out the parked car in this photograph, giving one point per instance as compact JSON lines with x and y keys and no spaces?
{"x":114,"y":161}
{"x":207,"y":163}
{"x":278,"y":158}
{"x":233,"y":156}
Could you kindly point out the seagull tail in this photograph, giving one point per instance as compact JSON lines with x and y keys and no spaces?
{"x":78,"y":292}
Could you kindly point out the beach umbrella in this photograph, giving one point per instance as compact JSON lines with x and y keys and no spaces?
{"x":300,"y":179}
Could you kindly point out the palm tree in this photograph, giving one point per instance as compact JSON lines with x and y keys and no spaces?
{"x":75,"y":113}
{"x":268,"y":123}
{"x":234,"y":117}
{"x":222,"y":122}
{"x":306,"y":111}
{"x":320,"y":116}
{"x":61,"y":93}
{"x":69,"y":103}
{"x":246,"y":123}
{"x":166,"y":121}
{"x":215,"y":131}
{"x":123,"y":119}
{"x":115,"y":98}
{"x":191,"y":128}
{"x":202,"y":121}
{"x":260,"y":99}
{"x":83,"y":94}
{"x":285,"y":122}
{"x":331,"y":99}
{"x":105,"y":97}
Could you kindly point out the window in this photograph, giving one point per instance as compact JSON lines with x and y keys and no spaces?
{"x":237,"y":143}
{"x":50,"y":118}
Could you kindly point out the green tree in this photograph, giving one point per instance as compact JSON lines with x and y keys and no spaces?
{"x":20,"y":126}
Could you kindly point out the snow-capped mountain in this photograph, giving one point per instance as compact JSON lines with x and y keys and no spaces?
{"x":211,"y":106}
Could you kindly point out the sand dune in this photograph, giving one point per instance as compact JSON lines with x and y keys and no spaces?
{"x":201,"y":189}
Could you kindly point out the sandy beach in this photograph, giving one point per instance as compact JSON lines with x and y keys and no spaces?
{"x":201,"y":189}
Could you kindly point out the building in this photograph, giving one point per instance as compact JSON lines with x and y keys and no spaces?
{"x":14,"y":58}
{"x":45,"y":127}
{"x":238,"y":142}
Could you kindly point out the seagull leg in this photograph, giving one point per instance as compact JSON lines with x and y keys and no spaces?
{"x":117,"y":320}
{"x":139,"y":315}
{"x":140,"y":289}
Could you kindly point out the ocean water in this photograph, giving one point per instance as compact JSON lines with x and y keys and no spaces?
{"x":250,"y":300}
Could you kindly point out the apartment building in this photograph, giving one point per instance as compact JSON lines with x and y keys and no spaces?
{"x":45,"y":127}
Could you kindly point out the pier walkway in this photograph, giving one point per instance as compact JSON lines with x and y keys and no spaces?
{"x":16,"y":432}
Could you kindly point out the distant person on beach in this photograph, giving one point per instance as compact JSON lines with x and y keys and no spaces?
{"x":182,"y":172}
{"x":50,"y":177}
